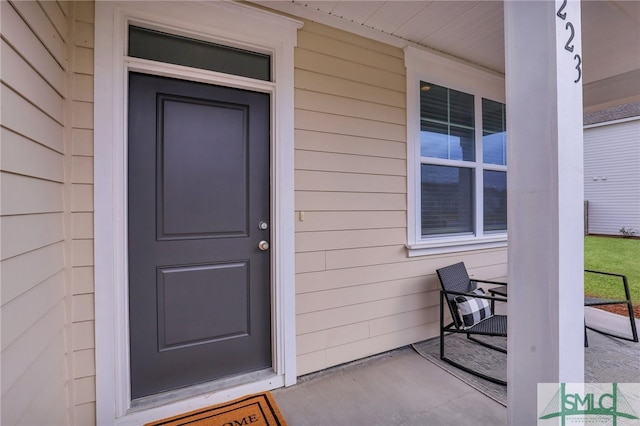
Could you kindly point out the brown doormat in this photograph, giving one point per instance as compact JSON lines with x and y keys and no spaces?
{"x":254,"y":410}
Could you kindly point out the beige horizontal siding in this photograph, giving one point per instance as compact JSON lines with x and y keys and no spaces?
{"x":25,"y":233}
{"x":331,"y":337}
{"x":345,"y":37}
{"x":350,"y":186}
{"x":80,"y":207}
{"x":31,"y":350}
{"x":48,"y":340}
{"x":360,"y":349}
{"x":333,"y":201}
{"x":23,"y":156}
{"x":19,"y":75}
{"x":357,"y":291}
{"x":83,"y":336}
{"x":32,"y":395}
{"x":82,"y":139}
{"x":478,"y":263}
{"x":320,"y":320}
{"x":83,"y":87}
{"x":27,"y":195}
{"x":28,"y":120}
{"x":310,"y":261}
{"x":356,"y":49}
{"x":316,"y":82}
{"x":82,"y":226}
{"x":338,"y":105}
{"x":82,"y":198}
{"x":335,"y":240}
{"x":352,"y":126}
{"x":377,"y":255}
{"x":19,"y":274}
{"x":83,"y":56}
{"x":344,"y":220}
{"x":56,"y":14}
{"x":32,"y":222}
{"x":19,"y":35}
{"x":26,"y":310}
{"x":43,"y":28}
{"x":359,"y":294}
{"x":343,"y":144}
{"x":404,"y":320}
{"x":48,"y":403}
{"x":326,"y":161}
{"x":351,"y":70}
{"x":82,"y":280}
{"x":349,"y":182}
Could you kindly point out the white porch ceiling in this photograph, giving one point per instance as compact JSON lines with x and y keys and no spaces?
{"x":474,"y":31}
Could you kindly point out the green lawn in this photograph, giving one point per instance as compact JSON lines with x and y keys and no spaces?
{"x":616,"y":255}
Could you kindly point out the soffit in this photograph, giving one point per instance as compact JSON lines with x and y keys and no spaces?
{"x":474,"y":31}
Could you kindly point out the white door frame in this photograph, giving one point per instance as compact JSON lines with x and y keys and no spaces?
{"x":222,"y":22}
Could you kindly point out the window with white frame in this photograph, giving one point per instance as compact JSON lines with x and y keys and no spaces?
{"x":457,"y":166}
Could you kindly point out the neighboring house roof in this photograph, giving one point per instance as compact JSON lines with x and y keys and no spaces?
{"x":613,"y":113}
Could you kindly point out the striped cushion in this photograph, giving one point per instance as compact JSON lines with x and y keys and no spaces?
{"x":473,"y":309}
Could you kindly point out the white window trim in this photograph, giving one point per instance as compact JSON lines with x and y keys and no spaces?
{"x":423,"y":65}
{"x":224,"y":22}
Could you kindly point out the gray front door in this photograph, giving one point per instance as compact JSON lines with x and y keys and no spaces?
{"x":198,"y":192}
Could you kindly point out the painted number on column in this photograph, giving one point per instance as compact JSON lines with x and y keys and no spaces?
{"x":572,"y":33}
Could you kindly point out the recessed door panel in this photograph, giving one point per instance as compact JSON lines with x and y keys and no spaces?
{"x":203,"y":163}
{"x":190,"y":306}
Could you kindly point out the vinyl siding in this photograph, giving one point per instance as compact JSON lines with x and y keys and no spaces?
{"x":46,"y":213}
{"x":612,"y":177}
{"x":357,"y":292}
{"x":81,"y":314}
{"x":34,"y":382}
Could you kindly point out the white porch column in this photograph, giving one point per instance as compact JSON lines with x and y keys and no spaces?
{"x":545,"y":196}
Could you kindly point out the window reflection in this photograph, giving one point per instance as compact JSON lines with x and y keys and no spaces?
{"x":494,"y":134}
{"x":447,"y":123}
{"x":495,"y":200}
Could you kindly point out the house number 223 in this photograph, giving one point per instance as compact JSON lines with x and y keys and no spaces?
{"x":572,"y":33}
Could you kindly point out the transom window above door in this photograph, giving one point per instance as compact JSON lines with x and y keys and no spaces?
{"x":174,"y":49}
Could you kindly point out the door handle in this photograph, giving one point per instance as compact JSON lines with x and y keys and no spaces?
{"x":263,"y":245}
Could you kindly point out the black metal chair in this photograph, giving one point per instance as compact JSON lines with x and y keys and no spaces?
{"x":597,"y":301}
{"x":454,"y":283}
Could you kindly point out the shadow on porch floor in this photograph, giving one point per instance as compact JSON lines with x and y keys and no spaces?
{"x":395,"y":388}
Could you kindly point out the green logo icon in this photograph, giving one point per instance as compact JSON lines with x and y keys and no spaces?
{"x":612,"y":405}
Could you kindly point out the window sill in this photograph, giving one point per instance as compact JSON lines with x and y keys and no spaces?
{"x":455,"y":244}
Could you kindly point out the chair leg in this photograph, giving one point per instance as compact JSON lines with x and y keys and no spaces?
{"x":475,"y":373}
{"x":586,"y":340}
{"x":442,"y":325}
{"x":634,"y":331}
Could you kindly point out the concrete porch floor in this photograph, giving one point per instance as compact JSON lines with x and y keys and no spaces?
{"x":396,"y":388}
{"x":399,"y":387}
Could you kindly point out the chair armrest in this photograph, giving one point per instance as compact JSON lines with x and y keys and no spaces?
{"x":625,"y":283}
{"x":488,"y":282}
{"x":605,"y":273}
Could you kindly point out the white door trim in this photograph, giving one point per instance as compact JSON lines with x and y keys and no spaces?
{"x":224,"y":22}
